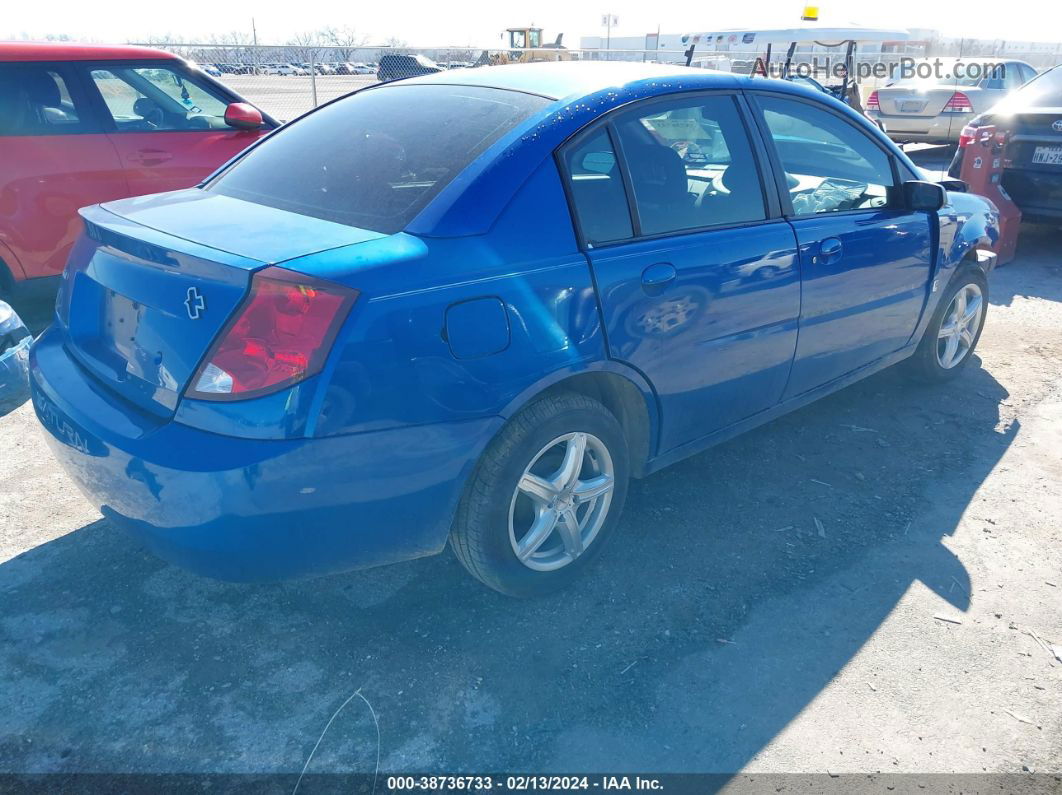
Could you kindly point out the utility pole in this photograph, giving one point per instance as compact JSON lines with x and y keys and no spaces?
{"x":254,"y":52}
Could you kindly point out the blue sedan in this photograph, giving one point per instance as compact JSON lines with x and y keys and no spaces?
{"x":470,"y":306}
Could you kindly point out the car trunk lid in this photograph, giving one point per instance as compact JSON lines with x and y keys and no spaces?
{"x":141,"y":303}
{"x":915,"y":101}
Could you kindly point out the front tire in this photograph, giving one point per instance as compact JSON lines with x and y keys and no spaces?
{"x":544,"y":498}
{"x":952,"y":334}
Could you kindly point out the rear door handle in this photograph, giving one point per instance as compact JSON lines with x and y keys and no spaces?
{"x":830,"y":251}
{"x":656,"y":277}
{"x":149,"y":157}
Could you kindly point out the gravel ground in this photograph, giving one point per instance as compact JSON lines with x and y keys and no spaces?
{"x":723,"y":631}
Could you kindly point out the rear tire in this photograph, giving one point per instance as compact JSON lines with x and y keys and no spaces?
{"x":954,"y":330}
{"x":544,"y":498}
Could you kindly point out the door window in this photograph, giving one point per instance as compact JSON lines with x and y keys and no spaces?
{"x":691,"y":165}
{"x":597,"y":191}
{"x":830,"y":165}
{"x":150,"y":98}
{"x":35,"y":100}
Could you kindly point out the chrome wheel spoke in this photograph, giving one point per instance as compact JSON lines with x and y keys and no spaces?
{"x":538,"y":489}
{"x":973,"y":309}
{"x":950,"y":349}
{"x":543,"y":528}
{"x":573,"y":461}
{"x":586,"y":490}
{"x":960,"y":304}
{"x":570,"y":532}
{"x":947,"y":330}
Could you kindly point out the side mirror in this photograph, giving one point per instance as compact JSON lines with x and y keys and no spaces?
{"x":243,"y":116}
{"x":925,"y":196}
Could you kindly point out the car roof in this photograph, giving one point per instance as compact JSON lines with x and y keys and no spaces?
{"x":68,"y":51}
{"x":566,"y":79}
{"x":576,"y":94}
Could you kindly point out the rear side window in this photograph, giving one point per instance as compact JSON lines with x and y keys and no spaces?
{"x":691,"y":165}
{"x":596,"y":188}
{"x":36,"y":100}
{"x":374,"y":159}
{"x":830,"y":166}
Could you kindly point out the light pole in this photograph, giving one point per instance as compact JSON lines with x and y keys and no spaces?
{"x":608,"y":20}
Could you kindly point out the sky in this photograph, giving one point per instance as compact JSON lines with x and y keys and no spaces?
{"x":481,"y":22}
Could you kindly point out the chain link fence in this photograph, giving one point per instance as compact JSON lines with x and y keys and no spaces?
{"x":287,"y":81}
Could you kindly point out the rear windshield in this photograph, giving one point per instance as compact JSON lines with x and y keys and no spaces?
{"x":374,"y":159}
{"x":1044,"y":90}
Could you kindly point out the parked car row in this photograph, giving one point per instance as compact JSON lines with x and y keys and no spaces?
{"x":291,"y":68}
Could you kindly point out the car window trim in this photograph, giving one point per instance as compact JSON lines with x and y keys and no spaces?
{"x":779,"y":170}
{"x":559,"y":159}
{"x":89,"y":120}
{"x":772,"y":207}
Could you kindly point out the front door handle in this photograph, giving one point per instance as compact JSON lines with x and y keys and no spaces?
{"x":657,"y":277}
{"x":149,"y":157}
{"x":830,"y":251}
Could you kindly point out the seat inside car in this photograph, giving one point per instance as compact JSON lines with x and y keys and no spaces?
{"x":661,"y":186}
{"x":44,"y":100}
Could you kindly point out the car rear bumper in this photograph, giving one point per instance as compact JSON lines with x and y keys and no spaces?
{"x":253,"y":509}
{"x":1037,"y":193}
{"x":944,"y":128}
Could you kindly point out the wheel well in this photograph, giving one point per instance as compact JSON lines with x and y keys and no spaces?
{"x":621,"y":397}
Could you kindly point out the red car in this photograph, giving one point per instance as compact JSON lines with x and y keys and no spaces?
{"x":81,"y":124}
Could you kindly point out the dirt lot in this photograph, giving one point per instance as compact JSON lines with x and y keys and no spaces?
{"x":722,"y":632}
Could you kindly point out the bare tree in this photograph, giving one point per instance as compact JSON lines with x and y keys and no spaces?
{"x":306,"y":47}
{"x":342,"y":42}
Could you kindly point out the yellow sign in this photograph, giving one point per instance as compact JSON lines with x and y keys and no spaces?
{"x":811,"y":14}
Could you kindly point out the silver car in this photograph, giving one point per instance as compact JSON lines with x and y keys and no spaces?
{"x":934,"y":109}
{"x":15,"y":341}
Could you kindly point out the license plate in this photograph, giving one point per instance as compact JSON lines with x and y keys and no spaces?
{"x":1048,"y":155}
{"x":912,"y":106}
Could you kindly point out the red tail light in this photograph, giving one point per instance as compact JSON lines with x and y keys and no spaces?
{"x":967,"y":136}
{"x":959,"y":103}
{"x":280,"y":335}
{"x":872,"y":101}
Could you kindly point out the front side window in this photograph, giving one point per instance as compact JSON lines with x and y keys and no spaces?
{"x":374,"y":159}
{"x":158,"y":97}
{"x":830,"y":166}
{"x":691,"y":165}
{"x":35,"y":100}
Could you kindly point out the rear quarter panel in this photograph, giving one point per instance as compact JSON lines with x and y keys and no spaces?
{"x":395,"y":364}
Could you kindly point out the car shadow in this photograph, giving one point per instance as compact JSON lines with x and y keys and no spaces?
{"x":742,"y":581}
{"x":1036,"y":272}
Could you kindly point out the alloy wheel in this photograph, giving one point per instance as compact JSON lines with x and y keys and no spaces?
{"x":959,"y":328}
{"x":561,"y":501}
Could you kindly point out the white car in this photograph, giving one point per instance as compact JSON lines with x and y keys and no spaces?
{"x":283,"y":69}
